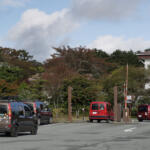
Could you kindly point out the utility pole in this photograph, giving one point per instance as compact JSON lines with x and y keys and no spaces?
{"x":115,"y":104}
{"x":69,"y":103}
{"x":126,"y":110}
{"x":126,"y":88}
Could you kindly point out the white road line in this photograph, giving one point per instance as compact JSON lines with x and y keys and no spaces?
{"x":130,"y":129}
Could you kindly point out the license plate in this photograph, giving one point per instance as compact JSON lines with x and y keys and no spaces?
{"x":94,"y":113}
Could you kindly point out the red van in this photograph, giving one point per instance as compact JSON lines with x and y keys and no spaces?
{"x":143,"y":112}
{"x":101,"y":111}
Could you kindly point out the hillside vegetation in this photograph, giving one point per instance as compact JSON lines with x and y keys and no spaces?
{"x":92,"y":74}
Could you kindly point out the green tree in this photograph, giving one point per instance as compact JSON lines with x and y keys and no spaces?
{"x":124,"y":57}
{"x":10,"y":73}
{"x":84,"y":91}
{"x":136,"y":82}
{"x":32,"y":91}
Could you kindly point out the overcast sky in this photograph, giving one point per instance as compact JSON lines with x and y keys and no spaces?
{"x":39,"y":25}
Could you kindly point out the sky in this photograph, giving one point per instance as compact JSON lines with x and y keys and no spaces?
{"x":39,"y":25}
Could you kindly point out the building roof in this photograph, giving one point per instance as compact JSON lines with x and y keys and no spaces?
{"x":144,"y":55}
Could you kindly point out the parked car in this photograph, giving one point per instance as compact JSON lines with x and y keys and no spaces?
{"x":100,"y":111}
{"x":143,"y":112}
{"x":42,"y":112}
{"x":16,"y":117}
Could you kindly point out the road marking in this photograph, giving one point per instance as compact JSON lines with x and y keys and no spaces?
{"x":130,"y":129}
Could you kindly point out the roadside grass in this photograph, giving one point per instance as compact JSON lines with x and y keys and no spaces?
{"x":64,"y":119}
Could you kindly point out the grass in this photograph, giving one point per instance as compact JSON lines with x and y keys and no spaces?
{"x":64,"y":119}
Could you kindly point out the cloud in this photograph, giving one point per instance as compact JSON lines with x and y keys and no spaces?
{"x":13,"y":3}
{"x":110,"y":43}
{"x":37,"y":31}
{"x":104,"y":9}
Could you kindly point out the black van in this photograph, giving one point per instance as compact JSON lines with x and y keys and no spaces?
{"x":43,"y":113}
{"x":16,"y":117}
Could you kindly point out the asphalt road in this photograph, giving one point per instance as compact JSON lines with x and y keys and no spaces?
{"x":82,"y":136}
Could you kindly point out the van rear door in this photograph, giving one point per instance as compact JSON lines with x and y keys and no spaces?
{"x":94,"y":109}
{"x":143,"y":111}
{"x":102,"y":109}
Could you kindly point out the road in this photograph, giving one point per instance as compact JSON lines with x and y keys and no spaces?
{"x":82,"y":136}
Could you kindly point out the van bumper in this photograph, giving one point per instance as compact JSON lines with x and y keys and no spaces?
{"x":99,"y":117}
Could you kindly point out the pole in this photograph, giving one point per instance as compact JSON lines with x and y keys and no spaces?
{"x":69,"y":104}
{"x":115,"y":104}
{"x":126,"y":87}
{"x":126,"y":110}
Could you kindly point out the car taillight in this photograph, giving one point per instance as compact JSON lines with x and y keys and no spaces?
{"x":9,"y":115}
{"x":34,"y":107}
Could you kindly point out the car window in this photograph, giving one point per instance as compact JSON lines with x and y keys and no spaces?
{"x":142,"y":109}
{"x":30,"y":106}
{"x":20,"y":110}
{"x":27,"y":111}
{"x":94,"y":106}
{"x":101,"y":107}
{"x":3,"y":110}
{"x":41,"y":106}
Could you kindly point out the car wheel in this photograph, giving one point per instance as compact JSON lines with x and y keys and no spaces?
{"x":50,"y":120}
{"x":91,"y":120}
{"x":34,"y":130}
{"x":98,"y":121}
{"x":140,"y":120}
{"x":13,"y":132}
{"x":107,"y":121}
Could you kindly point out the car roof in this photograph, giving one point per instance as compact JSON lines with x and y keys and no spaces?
{"x":100,"y":102}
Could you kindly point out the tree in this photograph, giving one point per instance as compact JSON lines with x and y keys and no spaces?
{"x":85,"y":61}
{"x":124,"y":57}
{"x":84,"y":91}
{"x":136,"y":82}
{"x":11,"y":73}
{"x":20,"y":59}
{"x":8,"y":89}
{"x":55,"y":72}
{"x":32,"y":91}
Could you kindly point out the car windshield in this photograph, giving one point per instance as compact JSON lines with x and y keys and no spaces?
{"x":3,"y":110}
{"x":142,"y":109}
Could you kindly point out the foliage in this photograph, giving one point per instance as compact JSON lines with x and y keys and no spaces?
{"x":125,"y":57}
{"x":32,"y":91}
{"x":83,"y":92}
{"x":10,"y":73}
{"x":84,"y":61}
{"x":20,"y":59}
{"x":136,"y":82}
{"x":8,"y":89}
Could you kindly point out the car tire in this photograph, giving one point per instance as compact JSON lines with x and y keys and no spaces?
{"x":91,"y":120}
{"x":98,"y":121}
{"x":140,"y":120}
{"x":34,"y":130}
{"x":13,"y":132}
{"x":107,"y":121}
